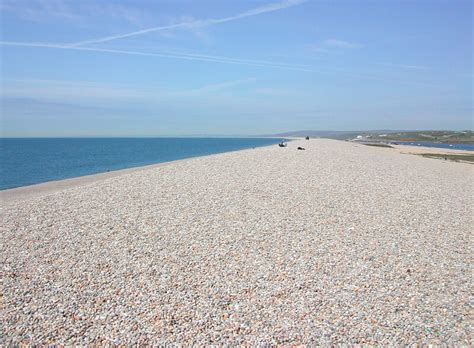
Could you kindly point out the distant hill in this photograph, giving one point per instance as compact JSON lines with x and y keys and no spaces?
{"x":465,"y":137}
{"x":328,"y":134}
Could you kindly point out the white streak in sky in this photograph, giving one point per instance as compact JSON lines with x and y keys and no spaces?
{"x":195,"y":57}
{"x":222,"y":85}
{"x":214,"y":59}
{"x":341,"y":44}
{"x":199,"y":23}
{"x":404,"y":66}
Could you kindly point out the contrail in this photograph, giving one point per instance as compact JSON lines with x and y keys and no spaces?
{"x":214,"y":59}
{"x":196,"y":57}
{"x":199,"y":23}
{"x":405,"y":66}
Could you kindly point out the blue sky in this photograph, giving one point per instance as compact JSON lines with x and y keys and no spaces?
{"x":145,"y":68}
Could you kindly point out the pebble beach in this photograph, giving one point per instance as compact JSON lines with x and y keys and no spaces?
{"x":340,"y":243}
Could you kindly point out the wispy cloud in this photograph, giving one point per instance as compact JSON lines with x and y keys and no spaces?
{"x":215,"y":87}
{"x":70,"y":91}
{"x":38,"y":11}
{"x":79,"y":12}
{"x":198,"y":23}
{"x":318,"y":49}
{"x":93,"y":94}
{"x":332,"y":46}
{"x":200,"y":32}
{"x":341,"y":44}
{"x":271,"y":91}
{"x":405,"y":66}
{"x":217,"y":59}
{"x":171,"y":55}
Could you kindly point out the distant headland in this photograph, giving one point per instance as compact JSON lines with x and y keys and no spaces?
{"x":443,"y":136}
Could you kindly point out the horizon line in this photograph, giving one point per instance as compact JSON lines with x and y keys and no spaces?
{"x":279,"y":134}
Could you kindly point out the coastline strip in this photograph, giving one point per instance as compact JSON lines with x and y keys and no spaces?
{"x":18,"y":194}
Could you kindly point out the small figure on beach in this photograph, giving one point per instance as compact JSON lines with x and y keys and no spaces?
{"x":307,"y":138}
{"x":282,"y":144}
{"x":301,"y":148}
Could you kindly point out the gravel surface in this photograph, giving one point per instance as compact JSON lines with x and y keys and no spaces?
{"x":338,"y":243}
{"x":421,"y":149}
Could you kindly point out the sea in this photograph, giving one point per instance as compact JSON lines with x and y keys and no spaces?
{"x":28,"y":161}
{"x":466,"y":147}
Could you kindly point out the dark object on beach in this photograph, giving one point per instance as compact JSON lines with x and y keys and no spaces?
{"x":307,"y":138}
{"x":282,"y":144}
{"x":301,"y":148}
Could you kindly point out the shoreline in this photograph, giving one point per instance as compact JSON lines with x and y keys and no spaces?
{"x":18,"y":194}
{"x":21,"y":193}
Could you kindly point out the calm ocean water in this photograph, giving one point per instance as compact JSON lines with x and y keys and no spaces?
{"x":34,"y":160}
{"x":468,"y":147}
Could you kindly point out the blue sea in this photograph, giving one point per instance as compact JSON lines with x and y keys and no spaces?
{"x":36,"y":160}
{"x":468,"y":147}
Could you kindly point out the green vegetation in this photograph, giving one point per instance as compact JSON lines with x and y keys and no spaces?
{"x":379,"y":145}
{"x":384,"y":136}
{"x":453,"y":137}
{"x":450,"y":157}
{"x":464,"y":137}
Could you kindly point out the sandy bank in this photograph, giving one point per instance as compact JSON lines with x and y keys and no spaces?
{"x":421,"y":149}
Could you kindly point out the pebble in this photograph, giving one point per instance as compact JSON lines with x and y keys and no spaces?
{"x":341,"y":243}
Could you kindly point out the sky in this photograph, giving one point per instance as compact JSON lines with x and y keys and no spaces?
{"x":228,"y":67}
